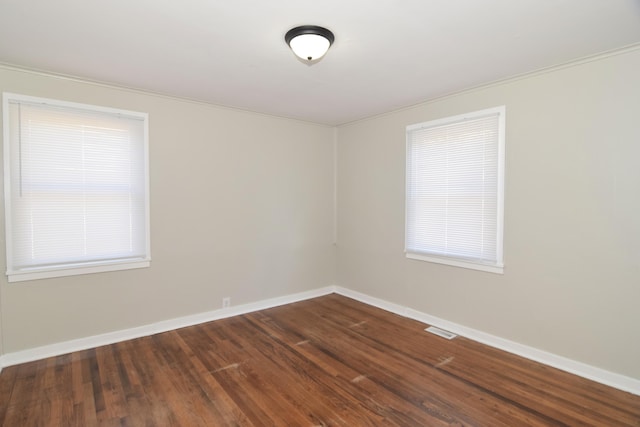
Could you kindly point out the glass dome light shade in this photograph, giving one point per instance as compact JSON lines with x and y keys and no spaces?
{"x":309,"y":46}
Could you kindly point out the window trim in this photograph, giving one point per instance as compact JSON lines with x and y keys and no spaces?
{"x":498,"y":266}
{"x":71,"y":269}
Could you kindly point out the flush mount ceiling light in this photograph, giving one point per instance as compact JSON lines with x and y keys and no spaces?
{"x":309,"y":42}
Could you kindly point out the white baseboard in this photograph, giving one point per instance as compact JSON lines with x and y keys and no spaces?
{"x":581,"y":369}
{"x":602,"y":376}
{"x":65,"y":347}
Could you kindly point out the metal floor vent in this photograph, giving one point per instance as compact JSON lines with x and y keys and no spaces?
{"x":441,"y":332}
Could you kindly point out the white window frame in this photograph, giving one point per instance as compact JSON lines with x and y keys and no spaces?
{"x":492,"y":267}
{"x":84,"y":267}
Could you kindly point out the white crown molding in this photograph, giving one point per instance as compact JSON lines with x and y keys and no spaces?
{"x":506,"y":80}
{"x":156,"y":94}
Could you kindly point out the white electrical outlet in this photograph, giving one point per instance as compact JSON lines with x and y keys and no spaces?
{"x":226,"y":302}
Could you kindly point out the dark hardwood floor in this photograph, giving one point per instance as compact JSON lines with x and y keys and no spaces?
{"x":322,"y":362}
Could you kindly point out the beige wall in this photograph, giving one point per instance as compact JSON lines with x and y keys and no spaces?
{"x":242,"y":205}
{"x":571,"y":284}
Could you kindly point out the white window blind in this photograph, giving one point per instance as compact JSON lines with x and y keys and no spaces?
{"x":76,"y":188}
{"x":454,"y":211}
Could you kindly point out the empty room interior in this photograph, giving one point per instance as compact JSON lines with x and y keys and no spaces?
{"x":206,"y":224}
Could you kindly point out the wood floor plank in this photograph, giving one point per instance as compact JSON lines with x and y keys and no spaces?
{"x":328,"y":361}
{"x":357,"y":387}
{"x":403,"y":376}
{"x":539,"y":387}
{"x":308,"y":384}
{"x":7,"y":382}
{"x":246,"y":373}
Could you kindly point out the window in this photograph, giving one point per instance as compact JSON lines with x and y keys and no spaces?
{"x":454,"y":199}
{"x":76,"y":188}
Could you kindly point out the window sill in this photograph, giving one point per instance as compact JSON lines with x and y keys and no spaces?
{"x":68,"y":270}
{"x":490,"y":268}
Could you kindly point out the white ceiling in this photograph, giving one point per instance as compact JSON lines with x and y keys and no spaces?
{"x":388,"y":54}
